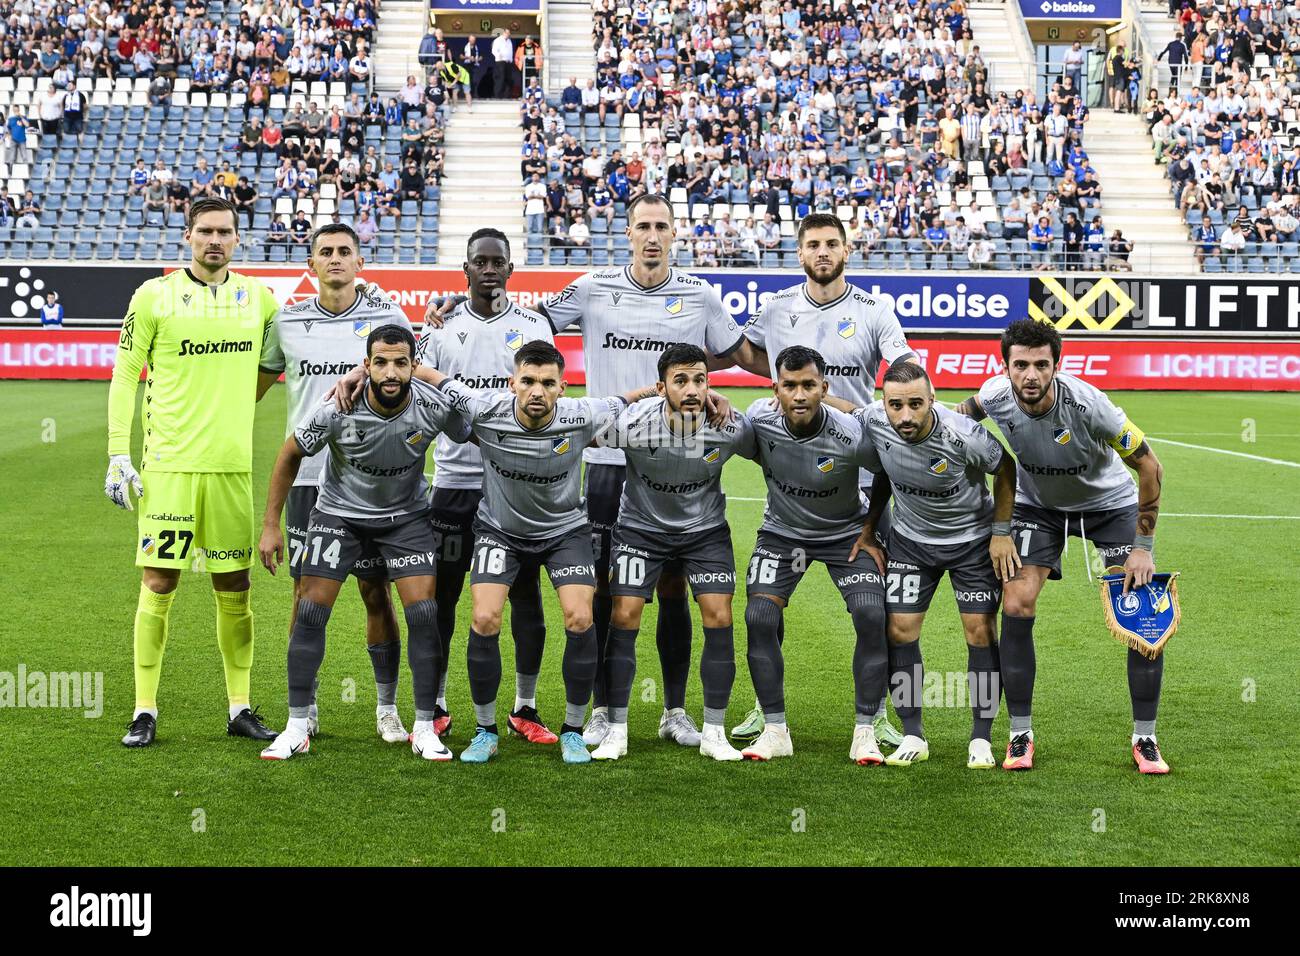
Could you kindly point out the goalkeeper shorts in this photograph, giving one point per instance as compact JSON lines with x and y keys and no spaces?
{"x":184,"y":516}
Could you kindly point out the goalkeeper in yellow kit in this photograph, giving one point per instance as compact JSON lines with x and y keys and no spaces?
{"x":202,"y":332}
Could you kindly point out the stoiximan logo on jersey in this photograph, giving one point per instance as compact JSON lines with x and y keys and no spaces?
{"x":846,"y":328}
{"x":1061,"y":436}
{"x":673,"y":304}
{"x":825,"y":463}
{"x":560,"y":445}
{"x":938,"y":465}
{"x":514,"y":339}
{"x":361,"y":328}
{"x":711,"y":455}
{"x":413,"y":438}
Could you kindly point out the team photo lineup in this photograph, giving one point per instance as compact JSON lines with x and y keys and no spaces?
{"x":618,"y":496}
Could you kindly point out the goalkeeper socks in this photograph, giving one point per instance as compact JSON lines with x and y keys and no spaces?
{"x":906,"y":678}
{"x":151,"y":612}
{"x":579,"y":669}
{"x":306,"y":651}
{"x":386,"y":659}
{"x":602,"y":606}
{"x":673,"y":638}
{"x":620,"y":671}
{"x":423,"y":651}
{"x":870,"y":657}
{"x":1144,"y":677}
{"x":235,"y":638}
{"x":1016,"y":650}
{"x":717,"y":672}
{"x":766,"y":665}
{"x":484,"y":659}
{"x":982,"y":685}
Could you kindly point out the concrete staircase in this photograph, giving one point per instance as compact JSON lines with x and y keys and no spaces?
{"x":397,"y":44}
{"x":568,"y":44}
{"x":481,"y":185}
{"x":1135,"y":194}
{"x":1160,"y":28}
{"x":1000,"y":34}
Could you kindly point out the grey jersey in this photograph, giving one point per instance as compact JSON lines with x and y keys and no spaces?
{"x":315,"y":348}
{"x":812,"y":483}
{"x":479,"y":351}
{"x":625,"y":326}
{"x":532,"y":479}
{"x":375,"y":467}
{"x":941,"y":495}
{"x":853,"y":334}
{"x":674,"y":482}
{"x":1066,"y":457}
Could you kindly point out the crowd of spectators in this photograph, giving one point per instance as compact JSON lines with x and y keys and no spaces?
{"x":880,"y":113}
{"x":1226,"y":130}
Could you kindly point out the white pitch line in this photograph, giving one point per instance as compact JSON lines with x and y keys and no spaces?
{"x":1163,"y":514}
{"x":1224,"y":451}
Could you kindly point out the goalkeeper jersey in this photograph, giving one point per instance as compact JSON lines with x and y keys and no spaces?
{"x":203,"y":346}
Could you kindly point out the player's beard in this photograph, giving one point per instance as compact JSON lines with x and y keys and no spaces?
{"x":1036,"y":401}
{"x":836,"y":272}
{"x":392,"y":402}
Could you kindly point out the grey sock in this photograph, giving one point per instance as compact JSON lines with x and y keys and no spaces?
{"x":620,"y":670}
{"x":717,"y":670}
{"x":870,"y":655}
{"x":579,"y":670}
{"x":385,"y":659}
{"x":484,"y":659}
{"x":423,"y":650}
{"x":526,"y":685}
{"x":906,"y":679}
{"x":766,"y":665}
{"x":575,"y":712}
{"x":715,"y":715}
{"x":306,"y":651}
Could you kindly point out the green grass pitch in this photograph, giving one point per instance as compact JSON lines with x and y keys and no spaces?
{"x":73,"y":795}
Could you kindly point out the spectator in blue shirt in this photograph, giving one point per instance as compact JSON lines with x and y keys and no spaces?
{"x":1040,"y":242}
{"x":936,"y":241}
{"x":618,"y":183}
{"x":1207,"y":241}
{"x":571,"y":98}
{"x":52,"y":312}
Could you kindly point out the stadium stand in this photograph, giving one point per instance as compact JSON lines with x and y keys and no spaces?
{"x":118,"y":114}
{"x":1226,"y":130}
{"x":750,"y":115}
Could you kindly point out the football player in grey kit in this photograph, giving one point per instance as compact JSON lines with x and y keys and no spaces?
{"x":853,"y":331}
{"x":1072,"y":444}
{"x":811,"y":454}
{"x":316,"y":341}
{"x":531,"y":441}
{"x":373,"y":495}
{"x":477,"y":344}
{"x":673,"y":509}
{"x":944,"y":520}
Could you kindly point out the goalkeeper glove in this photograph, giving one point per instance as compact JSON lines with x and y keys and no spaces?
{"x":119,"y":481}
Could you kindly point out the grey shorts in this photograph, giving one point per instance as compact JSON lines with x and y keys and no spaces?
{"x":1039,"y":534}
{"x":499,"y":557}
{"x":403,"y":546}
{"x":915,"y":570}
{"x":638,"y":558}
{"x":452,"y":518}
{"x":297,"y":514}
{"x":778,"y":565}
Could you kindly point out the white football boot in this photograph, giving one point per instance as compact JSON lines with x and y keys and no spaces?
{"x":864,"y":750}
{"x":676,"y":725}
{"x":290,"y":742}
{"x":912,"y":750}
{"x":596,"y":728}
{"x":714,"y":743}
{"x":980,"y":755}
{"x":614,"y":745}
{"x":772,"y":742}
{"x":389,"y":726}
{"x":425,"y":743}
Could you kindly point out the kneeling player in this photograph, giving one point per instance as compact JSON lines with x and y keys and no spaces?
{"x":531,"y":441}
{"x":944,"y":520}
{"x":673,"y":509}
{"x":810,"y":455}
{"x":1072,"y":444}
{"x":373,"y":494}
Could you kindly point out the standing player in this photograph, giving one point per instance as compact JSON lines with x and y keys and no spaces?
{"x":810,"y":455}
{"x":627,"y":317}
{"x":531,"y":514}
{"x":373,"y":498}
{"x":673,"y":510}
{"x":944,"y":520}
{"x":316,"y":339}
{"x":477,"y":345}
{"x":1072,"y":444}
{"x":202,"y":332}
{"x":853,"y":331}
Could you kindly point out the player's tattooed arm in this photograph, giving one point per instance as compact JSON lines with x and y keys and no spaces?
{"x":1002,"y":548}
{"x":971,"y":408}
{"x":1140,"y":565}
{"x":271,"y":544}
